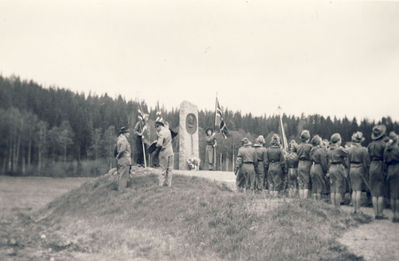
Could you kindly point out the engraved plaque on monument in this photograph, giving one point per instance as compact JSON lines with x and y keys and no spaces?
{"x":188,"y":133}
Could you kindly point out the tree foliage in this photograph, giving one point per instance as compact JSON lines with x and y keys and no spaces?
{"x":41,"y":125}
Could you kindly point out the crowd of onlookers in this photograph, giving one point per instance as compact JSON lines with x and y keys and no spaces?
{"x":320,"y":167}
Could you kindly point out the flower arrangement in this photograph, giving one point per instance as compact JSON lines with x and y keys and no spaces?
{"x":193,"y":163}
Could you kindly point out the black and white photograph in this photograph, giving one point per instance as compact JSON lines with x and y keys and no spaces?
{"x":199,"y":130}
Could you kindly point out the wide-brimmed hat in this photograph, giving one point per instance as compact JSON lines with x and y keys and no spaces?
{"x":378,"y":131}
{"x":358,"y":137}
{"x":316,"y":140}
{"x":305,"y":135}
{"x":123,"y":130}
{"x":246,"y":141}
{"x":335,"y":138}
{"x":208,"y":129}
{"x":275,"y":139}
{"x":260,"y":139}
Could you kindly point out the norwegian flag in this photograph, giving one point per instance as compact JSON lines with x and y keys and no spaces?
{"x":219,"y":121}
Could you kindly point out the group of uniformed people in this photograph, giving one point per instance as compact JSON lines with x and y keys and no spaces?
{"x":324,"y":167}
{"x":163,"y":146}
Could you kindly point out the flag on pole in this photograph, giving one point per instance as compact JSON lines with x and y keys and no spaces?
{"x":282,"y":132}
{"x":219,"y":121}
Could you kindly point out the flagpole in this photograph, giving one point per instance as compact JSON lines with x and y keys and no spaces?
{"x":216,"y":102}
{"x":214,"y":148}
{"x":284,"y":138}
{"x":142,"y":141}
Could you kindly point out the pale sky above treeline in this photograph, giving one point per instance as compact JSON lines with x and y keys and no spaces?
{"x":328,"y":57}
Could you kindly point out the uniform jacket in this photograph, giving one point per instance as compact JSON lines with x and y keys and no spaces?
{"x":357,"y":154}
{"x":337,"y":155}
{"x":164,"y":141}
{"x":123,"y":149}
{"x":376,"y":150}
{"x":247,"y":154}
{"x":303,"y":151}
{"x":210,"y":140}
{"x":275,"y":154}
{"x":391,"y":154}
{"x":260,"y":153}
{"x":318,"y":155}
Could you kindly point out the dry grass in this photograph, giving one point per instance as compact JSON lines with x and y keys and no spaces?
{"x":196,"y":219}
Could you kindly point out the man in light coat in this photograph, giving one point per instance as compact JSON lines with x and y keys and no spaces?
{"x":166,"y":156}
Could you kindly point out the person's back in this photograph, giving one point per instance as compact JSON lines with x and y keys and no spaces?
{"x":166,"y":156}
{"x":249,"y":161}
{"x":167,"y":148}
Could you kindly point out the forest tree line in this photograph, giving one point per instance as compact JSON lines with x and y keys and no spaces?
{"x":42,"y":126}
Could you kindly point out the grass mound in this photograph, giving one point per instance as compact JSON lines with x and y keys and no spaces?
{"x":196,"y":219}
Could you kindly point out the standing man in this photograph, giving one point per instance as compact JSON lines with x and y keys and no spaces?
{"x":166,"y":156}
{"x":359,"y":163}
{"x":123,"y":158}
{"x":210,"y":149}
{"x":304,"y":165}
{"x":140,"y":130}
{"x":337,"y":160}
{"x":275,"y":166}
{"x":377,"y":169}
{"x":318,"y":170}
{"x":261,"y":162}
{"x":247,"y":155}
{"x":391,"y":159}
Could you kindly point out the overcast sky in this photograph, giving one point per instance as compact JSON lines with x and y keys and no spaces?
{"x":328,"y":57}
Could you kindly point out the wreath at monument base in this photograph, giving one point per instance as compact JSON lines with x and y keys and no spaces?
{"x":193,"y":163}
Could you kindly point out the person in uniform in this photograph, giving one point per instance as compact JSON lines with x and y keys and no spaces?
{"x":140,"y":130}
{"x":166,"y":156}
{"x":391,"y":159}
{"x":275,"y":166}
{"x":123,"y":157}
{"x":304,"y":164}
{"x":337,"y":160}
{"x":376,"y":172}
{"x":240,"y":178}
{"x":210,"y":149}
{"x":248,"y":157}
{"x":359,"y":163}
{"x":292,"y":165}
{"x":318,"y":171}
{"x":261,"y":160}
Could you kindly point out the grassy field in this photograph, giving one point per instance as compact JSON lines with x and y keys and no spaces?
{"x":26,"y":194}
{"x":196,"y":219}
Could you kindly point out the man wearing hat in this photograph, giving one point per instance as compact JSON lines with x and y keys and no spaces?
{"x":337,"y":160}
{"x":376,"y":172}
{"x":391,"y":159}
{"x":123,"y":157}
{"x":319,"y":168}
{"x":304,"y":164}
{"x":359,"y":163}
{"x":248,"y":158}
{"x":261,"y":161}
{"x":275,"y":166}
{"x":210,"y":149}
{"x":166,"y":156}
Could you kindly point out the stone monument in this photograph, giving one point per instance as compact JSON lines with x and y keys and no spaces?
{"x":188,"y":134}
